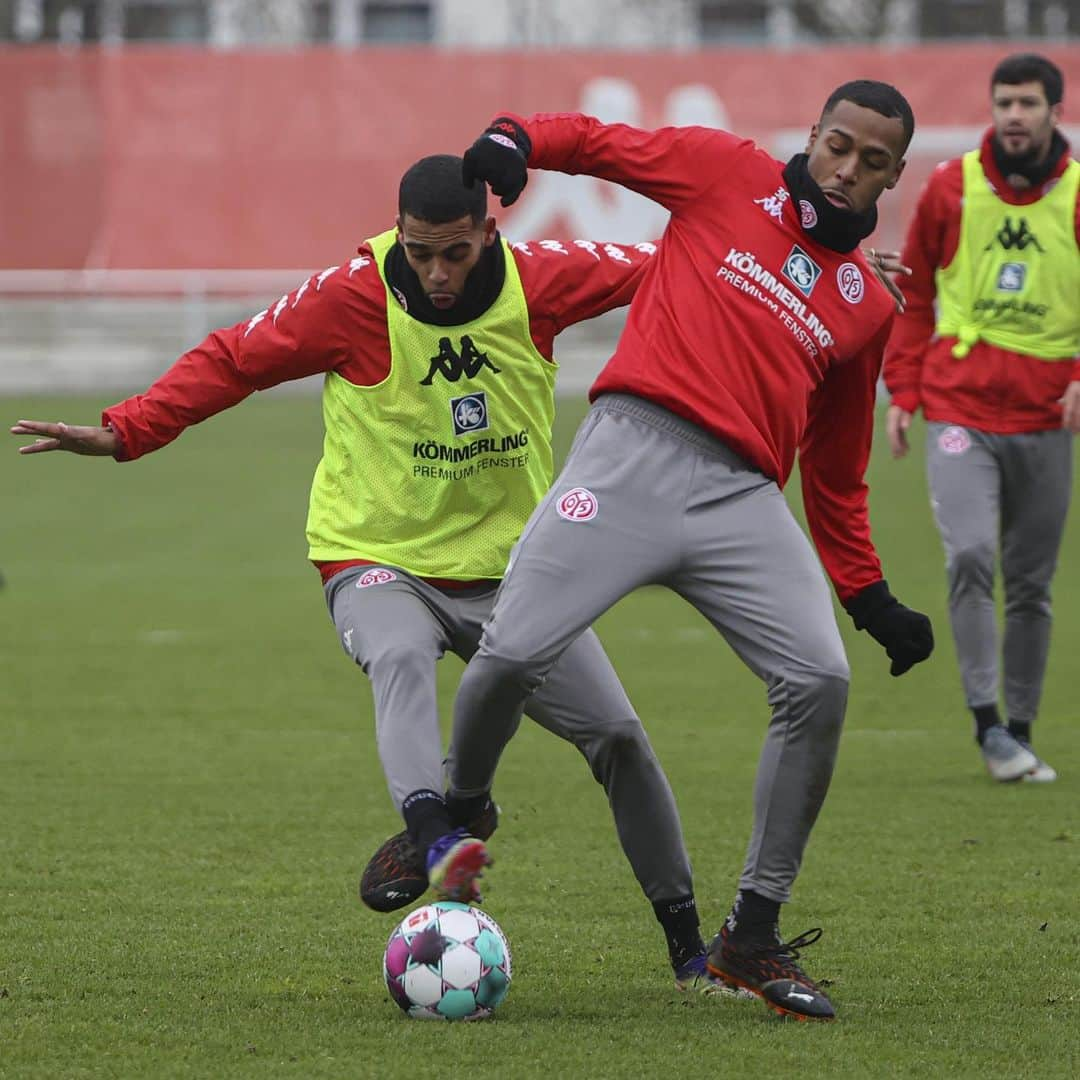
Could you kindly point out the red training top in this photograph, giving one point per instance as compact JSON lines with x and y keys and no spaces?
{"x":745,"y":325}
{"x":336,"y":321}
{"x":993,"y":389}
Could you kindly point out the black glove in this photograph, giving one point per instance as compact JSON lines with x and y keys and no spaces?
{"x":907,"y":635}
{"x":500,"y":156}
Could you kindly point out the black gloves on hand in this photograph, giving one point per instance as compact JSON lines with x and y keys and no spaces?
{"x":907,"y":635}
{"x":500,"y":156}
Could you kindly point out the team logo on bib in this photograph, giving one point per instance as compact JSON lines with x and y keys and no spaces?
{"x":807,"y":214}
{"x":578,"y":504}
{"x":954,"y":440}
{"x":1011,"y":277}
{"x":379,"y":576}
{"x":801,"y":269}
{"x":849,"y":281}
{"x":470,"y":413}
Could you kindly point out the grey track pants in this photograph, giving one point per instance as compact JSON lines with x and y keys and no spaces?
{"x":1011,"y":490}
{"x":396,"y":627}
{"x":647,"y":498}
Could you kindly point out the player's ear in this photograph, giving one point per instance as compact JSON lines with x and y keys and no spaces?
{"x":398,"y":225}
{"x":490,"y":227}
{"x":896,"y":175}
{"x":812,"y":138}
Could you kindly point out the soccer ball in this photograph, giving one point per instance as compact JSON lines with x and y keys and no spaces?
{"x":447,"y":961}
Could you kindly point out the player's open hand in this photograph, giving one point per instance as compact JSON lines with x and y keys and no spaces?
{"x":1070,"y":407}
{"x":884,"y":263}
{"x":897,"y":422}
{"x":500,"y":157}
{"x":94,"y":441}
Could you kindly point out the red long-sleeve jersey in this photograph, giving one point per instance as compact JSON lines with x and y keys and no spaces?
{"x":745,"y":325}
{"x":336,"y":321}
{"x":994,"y":389}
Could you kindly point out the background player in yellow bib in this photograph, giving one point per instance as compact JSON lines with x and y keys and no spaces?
{"x":996,"y":240}
{"x":436,"y":343}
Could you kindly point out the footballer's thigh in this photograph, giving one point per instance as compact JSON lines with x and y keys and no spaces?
{"x":396,"y":638}
{"x":609,"y":524}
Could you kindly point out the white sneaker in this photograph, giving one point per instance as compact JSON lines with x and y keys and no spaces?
{"x":1042,"y":773}
{"x":1006,"y":758}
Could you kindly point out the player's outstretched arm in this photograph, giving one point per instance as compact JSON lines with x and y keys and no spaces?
{"x":92,"y":441}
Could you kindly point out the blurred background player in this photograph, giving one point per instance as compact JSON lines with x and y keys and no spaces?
{"x":996,"y":240}
{"x":436,"y":341}
{"x":754,"y":336}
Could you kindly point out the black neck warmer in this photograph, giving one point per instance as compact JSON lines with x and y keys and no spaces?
{"x":1024,"y":165}
{"x":828,"y":225}
{"x":482,"y":287}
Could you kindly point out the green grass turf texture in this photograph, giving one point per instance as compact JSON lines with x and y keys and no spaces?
{"x":190,"y":789}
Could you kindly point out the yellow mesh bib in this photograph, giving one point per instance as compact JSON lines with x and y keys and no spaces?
{"x":1015,"y":279}
{"x":438,"y":467}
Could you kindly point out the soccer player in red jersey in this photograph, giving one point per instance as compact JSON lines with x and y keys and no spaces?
{"x":757,"y":333}
{"x":988,"y":350}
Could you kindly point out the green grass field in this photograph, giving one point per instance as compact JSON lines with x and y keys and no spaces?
{"x":189,"y":789}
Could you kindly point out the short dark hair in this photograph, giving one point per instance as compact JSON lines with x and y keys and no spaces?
{"x":432,"y":191}
{"x":1030,"y":67}
{"x":879,"y":96}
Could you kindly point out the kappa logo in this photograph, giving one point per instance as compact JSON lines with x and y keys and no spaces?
{"x":801,"y":270}
{"x":773,"y":204}
{"x":954,"y":440}
{"x":1011,"y":236}
{"x":807,"y":214}
{"x":1011,"y":277}
{"x":849,"y":281}
{"x":578,"y":504}
{"x":379,"y":576}
{"x":452,"y":365}
{"x":469,"y":413}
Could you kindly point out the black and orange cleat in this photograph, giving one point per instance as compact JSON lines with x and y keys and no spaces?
{"x":769,"y":970}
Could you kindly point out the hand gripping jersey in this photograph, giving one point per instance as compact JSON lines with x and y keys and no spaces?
{"x":744,"y":325}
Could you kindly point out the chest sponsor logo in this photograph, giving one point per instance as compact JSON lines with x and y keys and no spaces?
{"x":578,"y":504}
{"x":1011,"y":277}
{"x":801,"y":270}
{"x":954,"y":440}
{"x":773,"y":204}
{"x":849,"y":281}
{"x":469,"y":413}
{"x":379,"y":576}
{"x":468,"y":360}
{"x":1017,"y":236}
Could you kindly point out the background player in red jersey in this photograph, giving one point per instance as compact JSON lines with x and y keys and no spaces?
{"x":411,"y":541}
{"x":995,"y":242}
{"x":756,"y":334}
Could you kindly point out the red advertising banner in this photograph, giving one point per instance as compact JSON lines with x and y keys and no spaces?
{"x":189,"y":159}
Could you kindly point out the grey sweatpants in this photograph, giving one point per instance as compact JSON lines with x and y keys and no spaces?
{"x":647,"y":498}
{"x":1014,"y":490}
{"x":396,"y":627}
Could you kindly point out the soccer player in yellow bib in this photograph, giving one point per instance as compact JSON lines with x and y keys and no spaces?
{"x":436,"y":341}
{"x":996,"y":240}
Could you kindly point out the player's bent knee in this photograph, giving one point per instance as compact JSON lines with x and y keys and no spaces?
{"x":500,"y":673}
{"x":972,"y":562}
{"x":616,"y":743}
